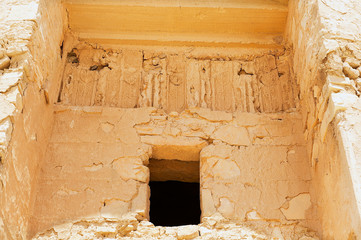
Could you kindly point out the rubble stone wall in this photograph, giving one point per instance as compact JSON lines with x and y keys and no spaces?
{"x":30,"y":66}
{"x":253,"y":167}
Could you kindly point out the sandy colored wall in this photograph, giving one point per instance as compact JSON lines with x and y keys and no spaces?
{"x":254,"y":167}
{"x":30,"y":36}
{"x":325,"y":37}
{"x":212,"y":106}
{"x":95,"y":160}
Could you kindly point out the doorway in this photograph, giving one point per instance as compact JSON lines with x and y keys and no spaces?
{"x":175,"y":194}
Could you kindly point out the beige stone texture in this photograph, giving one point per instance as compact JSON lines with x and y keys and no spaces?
{"x":31,"y":40}
{"x":258,"y":101}
{"x":176,"y":81}
{"x":325,"y":39}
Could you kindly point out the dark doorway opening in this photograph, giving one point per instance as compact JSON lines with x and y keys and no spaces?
{"x":174,"y":203}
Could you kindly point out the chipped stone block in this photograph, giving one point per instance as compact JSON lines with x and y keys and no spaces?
{"x":297,"y":207}
{"x":253,"y":215}
{"x":106,"y":231}
{"x":149,"y":130}
{"x":219,"y":151}
{"x":349,"y":71}
{"x":187,"y":232}
{"x":277,"y":234}
{"x":114,"y":209}
{"x":140,"y":204}
{"x":4,"y":62}
{"x":15,"y":97}
{"x":7,"y":109}
{"x":353,"y":62}
{"x":233,"y":135}
{"x":6,"y":128}
{"x":337,"y":102}
{"x":131,"y":168}
{"x":226,"y":169}
{"x":207,"y":203}
{"x":226,"y":207}
{"x":24,"y":12}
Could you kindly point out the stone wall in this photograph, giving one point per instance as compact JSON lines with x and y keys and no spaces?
{"x":276,"y":131}
{"x":30,"y":39}
{"x":325,"y":37}
{"x":254,"y":167}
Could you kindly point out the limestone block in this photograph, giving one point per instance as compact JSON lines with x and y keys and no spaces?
{"x":203,"y":231}
{"x":149,"y":130}
{"x":297,"y":207}
{"x":253,"y":215}
{"x":131,"y":168}
{"x":4,"y":62}
{"x":232,"y":135}
{"x":63,"y":230}
{"x":353,"y":62}
{"x":220,"y":151}
{"x":226,"y":207}
{"x":327,"y":47}
{"x":15,"y":97}
{"x":337,"y":102}
{"x":187,"y":232}
{"x":207,"y":203}
{"x":106,"y":231}
{"x":7,"y":109}
{"x":180,"y":148}
{"x":6,"y":129}
{"x":137,"y":115}
{"x":114,"y":209}
{"x":225,"y":169}
{"x":277,"y":234}
{"x":349,"y":71}
{"x":140,"y":204}
{"x":24,"y":12}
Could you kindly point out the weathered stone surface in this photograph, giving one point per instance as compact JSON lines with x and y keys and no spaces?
{"x":233,"y":135}
{"x":9,"y":79}
{"x":274,"y":127}
{"x":4,"y":62}
{"x":181,"y":148}
{"x":175,"y":83}
{"x":349,"y":71}
{"x":213,"y":116}
{"x":297,"y":207}
{"x":187,"y":232}
{"x":325,"y":115}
